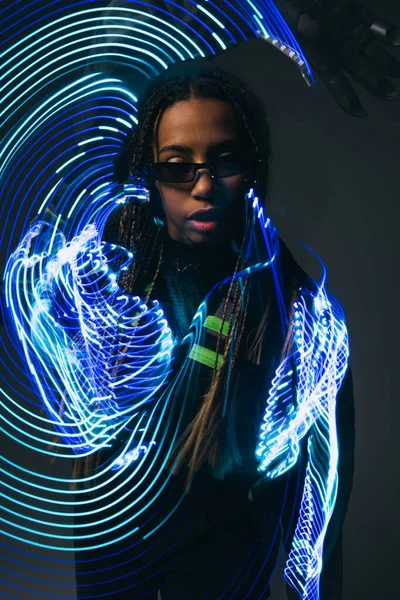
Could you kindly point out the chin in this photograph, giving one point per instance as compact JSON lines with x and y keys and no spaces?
{"x":208,"y":238}
{"x":201,"y":240}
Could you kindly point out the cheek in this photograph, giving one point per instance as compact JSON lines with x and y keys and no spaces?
{"x":172,"y":200}
{"x":235,"y":187}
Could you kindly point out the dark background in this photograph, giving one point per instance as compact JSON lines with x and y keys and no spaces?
{"x":334,"y":186}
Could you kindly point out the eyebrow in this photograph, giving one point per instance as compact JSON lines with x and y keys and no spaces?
{"x":184,"y":148}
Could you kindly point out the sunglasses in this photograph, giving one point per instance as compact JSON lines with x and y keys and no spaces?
{"x":185,"y":172}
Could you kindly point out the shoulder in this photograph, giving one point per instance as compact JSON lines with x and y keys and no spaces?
{"x":315,"y":293}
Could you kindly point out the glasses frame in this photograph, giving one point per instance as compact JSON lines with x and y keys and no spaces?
{"x":194,"y":167}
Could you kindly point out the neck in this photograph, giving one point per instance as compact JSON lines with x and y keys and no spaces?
{"x":198,"y":258}
{"x":198,"y":250}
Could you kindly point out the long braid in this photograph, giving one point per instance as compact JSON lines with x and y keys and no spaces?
{"x":203,"y":432}
{"x":157,"y":271}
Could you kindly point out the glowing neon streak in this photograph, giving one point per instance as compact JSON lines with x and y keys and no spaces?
{"x":76,"y":157}
{"x":210,"y":15}
{"x":124,"y":122}
{"x":145,"y":25}
{"x":262,"y":28}
{"x":51,"y":192}
{"x":254,"y":7}
{"x":108,"y":128}
{"x":75,"y":204}
{"x":99,"y":187}
{"x":219,"y":40}
{"x":94,"y":139}
{"x":49,"y":101}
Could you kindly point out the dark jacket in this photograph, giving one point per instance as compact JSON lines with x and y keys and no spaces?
{"x":241,"y":519}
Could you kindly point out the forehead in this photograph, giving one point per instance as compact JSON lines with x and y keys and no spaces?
{"x":198,"y":121}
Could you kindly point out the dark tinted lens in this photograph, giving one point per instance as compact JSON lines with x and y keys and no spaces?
{"x":174,"y":172}
{"x":228,"y":165}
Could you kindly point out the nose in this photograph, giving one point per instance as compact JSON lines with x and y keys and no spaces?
{"x":203,"y":187}
{"x":205,"y":170}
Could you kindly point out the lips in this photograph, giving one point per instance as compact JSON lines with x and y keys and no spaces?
{"x":211,"y":214}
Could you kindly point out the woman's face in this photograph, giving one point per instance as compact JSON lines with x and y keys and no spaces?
{"x":205,"y":129}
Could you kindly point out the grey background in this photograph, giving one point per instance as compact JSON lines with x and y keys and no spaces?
{"x":333,"y":186}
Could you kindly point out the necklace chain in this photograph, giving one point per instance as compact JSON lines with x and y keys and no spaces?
{"x":187,"y":266}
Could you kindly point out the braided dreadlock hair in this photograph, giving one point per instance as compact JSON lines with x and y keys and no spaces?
{"x":182,"y":81}
{"x":134,"y":226}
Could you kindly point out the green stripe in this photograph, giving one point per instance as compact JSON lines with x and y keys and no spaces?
{"x":205,"y":356}
{"x":214,"y":323}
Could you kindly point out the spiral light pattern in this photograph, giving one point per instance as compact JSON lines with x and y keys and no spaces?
{"x":66,"y":112}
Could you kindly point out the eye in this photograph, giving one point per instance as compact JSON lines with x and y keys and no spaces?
{"x":230,"y":156}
